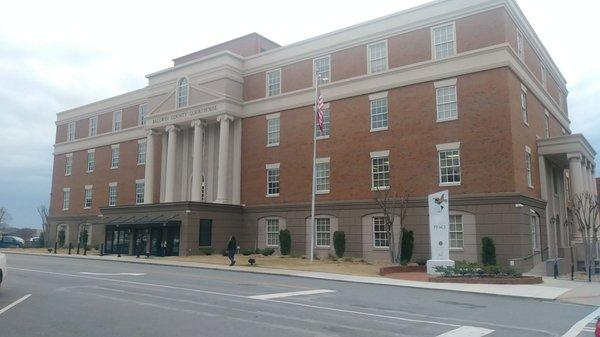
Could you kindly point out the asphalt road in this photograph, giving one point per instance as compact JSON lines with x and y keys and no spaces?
{"x":71,"y":297}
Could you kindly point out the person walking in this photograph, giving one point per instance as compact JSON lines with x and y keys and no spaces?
{"x":231,"y":249}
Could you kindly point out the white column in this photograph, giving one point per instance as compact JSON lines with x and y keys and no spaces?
{"x":585,"y":168}
{"x":149,"y":169}
{"x":171,"y":152}
{"x":198,"y":126}
{"x":594,"y":185}
{"x":576,"y":173}
{"x":223,"y":157}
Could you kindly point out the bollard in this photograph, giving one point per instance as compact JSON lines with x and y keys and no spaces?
{"x":55,"y":247}
{"x":119,"y":251}
{"x":572,"y":272}
{"x":78,"y":244}
{"x":137,"y":252}
{"x":70,"y":246}
{"x":85,"y":250}
{"x":101,"y":249}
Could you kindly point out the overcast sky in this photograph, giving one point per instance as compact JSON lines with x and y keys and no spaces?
{"x":56,"y":55}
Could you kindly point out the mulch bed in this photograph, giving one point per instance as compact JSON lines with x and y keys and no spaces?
{"x":401,"y":269}
{"x":487,"y":280}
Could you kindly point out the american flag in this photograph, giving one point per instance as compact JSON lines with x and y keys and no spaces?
{"x":320,"y":105}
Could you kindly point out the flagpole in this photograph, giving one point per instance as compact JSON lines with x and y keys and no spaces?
{"x":314,"y":158}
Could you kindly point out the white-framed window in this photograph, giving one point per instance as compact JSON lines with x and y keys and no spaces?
{"x":71,"y":131}
{"x":112,"y":194}
{"x":528,"y":166}
{"x":446,"y":103}
{"x":520,"y":45}
{"x":142,"y":111}
{"x":182,"y":92}
{"x":273,"y":129}
{"x":524,"y":105}
{"x":68,"y":164}
{"x":377,"y":57}
{"x":117,"y":118}
{"x":379,"y":114}
{"x":443,"y":40}
{"x":544,"y":74}
{"x":449,"y":164}
{"x":456,"y":232}
{"x":273,"y":82}
{"x":380,"y":170}
{"x":115,"y":154}
{"x":380,"y":234}
{"x":87,"y":197}
{"x":91,"y":162}
{"x":139,"y":191}
{"x":272,"y":232}
{"x":66,"y":199}
{"x":322,"y":69}
{"x":272,"y":180}
{"x":535,"y":233}
{"x":323,"y":232}
{"x":93,"y":128}
{"x":326,"y":124}
{"x":547,"y":123}
{"x":322,"y":172}
{"x":141,"y":157}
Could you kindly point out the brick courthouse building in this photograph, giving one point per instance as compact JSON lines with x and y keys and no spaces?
{"x":454,"y":94}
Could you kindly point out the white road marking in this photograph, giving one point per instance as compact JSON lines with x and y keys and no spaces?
{"x":467,"y":331}
{"x":6,"y":308}
{"x":295,"y":293}
{"x":111,"y":274}
{"x":578,"y":327}
{"x":589,"y":329}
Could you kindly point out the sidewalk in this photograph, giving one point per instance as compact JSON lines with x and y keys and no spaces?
{"x":546,"y":292}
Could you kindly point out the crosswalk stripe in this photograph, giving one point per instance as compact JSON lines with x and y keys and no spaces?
{"x":295,"y":293}
{"x":467,"y":331}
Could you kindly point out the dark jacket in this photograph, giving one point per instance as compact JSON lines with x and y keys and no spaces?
{"x":231,"y":245}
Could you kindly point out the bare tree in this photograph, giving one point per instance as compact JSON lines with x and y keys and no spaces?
{"x":585,"y":211}
{"x":42,"y":211}
{"x":4,"y":217}
{"x":392,"y":205}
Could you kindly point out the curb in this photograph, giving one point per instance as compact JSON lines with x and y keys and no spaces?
{"x":526,"y":293}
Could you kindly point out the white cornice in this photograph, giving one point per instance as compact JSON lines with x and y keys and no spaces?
{"x":104,"y":139}
{"x":103,"y":106}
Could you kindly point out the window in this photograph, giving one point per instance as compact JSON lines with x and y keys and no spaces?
{"x":520,"y":45}
{"x":273,"y":180}
{"x":141,"y":157}
{"x":443,"y":38}
{"x":112,"y":194}
{"x":322,"y":68}
{"x":117,"y":120}
{"x":272,"y":232}
{"x":142,"y":111}
{"x":323,"y":232}
{"x":66,"y":199}
{"x":543,"y":72}
{"x":274,"y":82}
{"x":326,"y":124}
{"x":71,"y":131}
{"x":322,"y":175}
{"x":114,"y":156}
{"x":535,"y":233}
{"x":182,"y":93}
{"x":205,"y":236}
{"x":379,"y":114}
{"x":377,"y":53}
{"x":380,"y":172}
{"x":456,"y":232}
{"x":139,"y":191}
{"x":524,"y":106}
{"x":273,"y":123}
{"x":547,"y":123}
{"x":93,"y":126}
{"x":87,"y":197}
{"x":528,"y":166}
{"x":380,"y":235}
{"x":90,"y":161}
{"x":68,"y":164}
{"x":446,"y":103}
{"x":449,"y":161}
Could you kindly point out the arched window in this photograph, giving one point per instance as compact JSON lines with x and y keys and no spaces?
{"x":182,"y":93}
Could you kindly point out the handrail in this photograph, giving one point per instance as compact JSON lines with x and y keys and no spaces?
{"x":541,"y":252}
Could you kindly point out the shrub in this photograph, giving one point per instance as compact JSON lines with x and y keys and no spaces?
{"x":207,"y":250}
{"x":285,"y":241}
{"x":267,"y":251}
{"x":488,"y":251}
{"x":247,"y":252}
{"x":332,"y":257}
{"x":421,"y":261}
{"x":348,"y":259}
{"x":408,"y":244}
{"x":339,"y":243}
{"x":464,"y":269}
